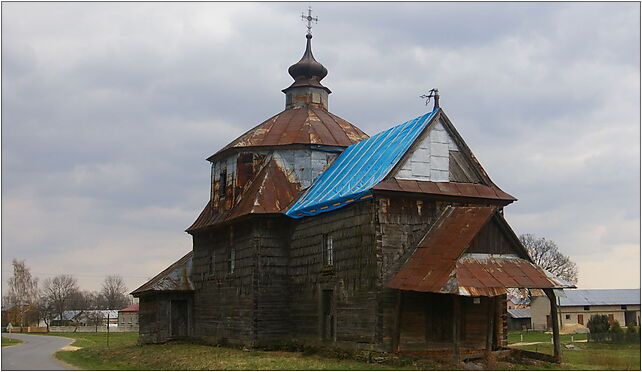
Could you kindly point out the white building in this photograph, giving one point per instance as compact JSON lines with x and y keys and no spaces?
{"x":579,"y":305}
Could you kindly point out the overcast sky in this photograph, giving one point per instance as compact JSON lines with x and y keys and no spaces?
{"x":110,"y":109}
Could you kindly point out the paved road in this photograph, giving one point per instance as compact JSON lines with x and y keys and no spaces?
{"x":35,"y":353}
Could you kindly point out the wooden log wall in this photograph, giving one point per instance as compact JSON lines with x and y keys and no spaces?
{"x":271,"y":281}
{"x":223,"y":300}
{"x":399,"y":225}
{"x":154,"y":322}
{"x":352,"y":278}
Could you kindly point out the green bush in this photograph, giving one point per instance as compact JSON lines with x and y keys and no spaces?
{"x":598,"y":324}
{"x":615,"y":328}
{"x":631,"y":329}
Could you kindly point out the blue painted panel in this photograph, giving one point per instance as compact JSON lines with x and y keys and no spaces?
{"x":359,"y":168}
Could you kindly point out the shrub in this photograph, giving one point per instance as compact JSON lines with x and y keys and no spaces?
{"x":615,"y":328}
{"x":631,"y":329}
{"x":598,"y":324}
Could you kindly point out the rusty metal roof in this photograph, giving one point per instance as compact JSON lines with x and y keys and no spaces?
{"x":299,"y":125}
{"x":439,"y":264}
{"x":130,"y":309}
{"x":271,"y":191}
{"x":456,"y":189}
{"x":175,"y":278}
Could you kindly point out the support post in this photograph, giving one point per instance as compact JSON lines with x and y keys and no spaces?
{"x":557,"y":348}
{"x":456,"y":327}
{"x":396,"y":332}
{"x":490,"y":331}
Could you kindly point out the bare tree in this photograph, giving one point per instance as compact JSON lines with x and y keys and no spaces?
{"x":45,"y":309}
{"x":22,"y":289}
{"x":113,"y":292}
{"x":546,"y":254}
{"x":59,"y":291}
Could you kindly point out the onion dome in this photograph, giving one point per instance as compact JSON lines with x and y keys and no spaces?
{"x":308,"y":71}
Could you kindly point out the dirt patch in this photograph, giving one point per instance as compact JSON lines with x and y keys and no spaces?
{"x":70,"y":348}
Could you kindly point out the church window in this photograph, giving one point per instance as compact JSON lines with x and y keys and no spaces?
{"x":568,"y":316}
{"x":222,"y":186}
{"x":328,"y":250}
{"x":587,"y":308}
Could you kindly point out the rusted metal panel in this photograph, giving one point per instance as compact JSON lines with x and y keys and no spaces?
{"x":445,"y":188}
{"x":298,"y":125}
{"x":270,"y":191}
{"x":430,"y":266}
{"x":175,"y":278}
{"x":440,"y":265}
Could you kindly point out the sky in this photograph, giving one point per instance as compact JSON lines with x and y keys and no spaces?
{"x":109,"y":111}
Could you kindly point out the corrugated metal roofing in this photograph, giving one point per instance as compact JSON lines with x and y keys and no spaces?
{"x":587,"y":297}
{"x":298,"y":125}
{"x":439,"y":264}
{"x":457,"y":189}
{"x":271,"y":191}
{"x":130,"y":309}
{"x":519,"y":313}
{"x":360,"y":167}
{"x":175,"y":278}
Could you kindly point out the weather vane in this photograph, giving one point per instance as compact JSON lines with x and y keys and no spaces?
{"x":433,"y":93}
{"x":309,"y":18}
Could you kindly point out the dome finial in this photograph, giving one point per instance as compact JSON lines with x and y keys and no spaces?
{"x":307,"y":75}
{"x":309,"y":18}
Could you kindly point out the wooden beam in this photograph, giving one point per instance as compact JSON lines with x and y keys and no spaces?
{"x":557,"y":348}
{"x":490,"y":331}
{"x":396,"y":330}
{"x":456,"y":327}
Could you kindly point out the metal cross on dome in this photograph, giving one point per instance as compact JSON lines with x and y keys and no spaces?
{"x":309,"y":18}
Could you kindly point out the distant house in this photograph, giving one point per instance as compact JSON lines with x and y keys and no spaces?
{"x":514,"y":302}
{"x":68,"y":318}
{"x":519,"y":319}
{"x":86,"y":318}
{"x":128,"y":317}
{"x":579,"y":305}
{"x":22,"y":314}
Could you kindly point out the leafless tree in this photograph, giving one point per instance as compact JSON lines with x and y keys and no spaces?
{"x":22,"y":289}
{"x":546,"y":254}
{"x":45,"y":309}
{"x":113,"y":292}
{"x":59,"y":291}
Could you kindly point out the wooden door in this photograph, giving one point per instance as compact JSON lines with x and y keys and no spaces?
{"x":580,"y":319}
{"x":178,"y":314}
{"x":611,"y":319}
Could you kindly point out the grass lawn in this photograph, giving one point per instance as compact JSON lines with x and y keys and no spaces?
{"x":535,"y":336}
{"x":124,"y":354}
{"x":594,"y":356}
{"x":6,"y":341}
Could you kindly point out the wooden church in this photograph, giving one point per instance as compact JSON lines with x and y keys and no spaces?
{"x":316,"y":233}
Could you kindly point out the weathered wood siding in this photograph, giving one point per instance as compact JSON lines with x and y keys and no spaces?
{"x":271,"y":281}
{"x":492,"y":240}
{"x":224,"y":300}
{"x":352,"y":278}
{"x":154,"y":324}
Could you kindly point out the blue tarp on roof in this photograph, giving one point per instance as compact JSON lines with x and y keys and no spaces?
{"x":360,"y":167}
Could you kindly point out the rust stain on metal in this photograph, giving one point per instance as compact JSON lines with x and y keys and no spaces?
{"x":431,"y":265}
{"x":174,"y":278}
{"x":298,"y":125}
{"x":439,"y":264}
{"x":270,"y":191}
{"x":445,"y":188}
